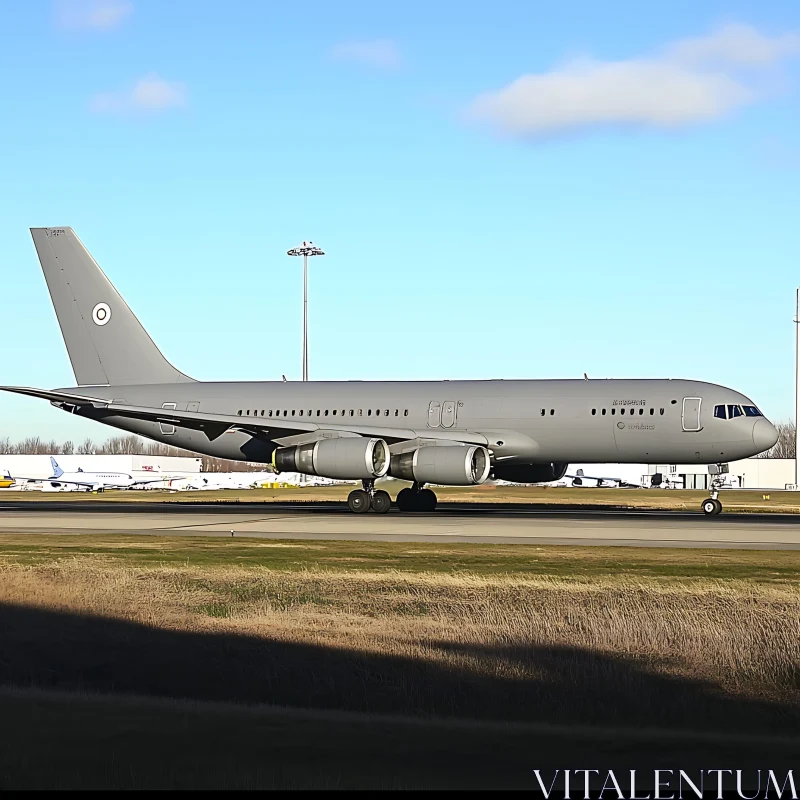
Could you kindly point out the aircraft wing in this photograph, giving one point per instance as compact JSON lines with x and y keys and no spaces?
{"x":214,"y":425}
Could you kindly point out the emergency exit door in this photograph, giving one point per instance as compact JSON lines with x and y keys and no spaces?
{"x":690,"y":418}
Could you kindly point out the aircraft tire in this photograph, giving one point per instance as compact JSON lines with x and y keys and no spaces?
{"x":358,"y":501}
{"x":381,"y":502}
{"x":405,"y":499}
{"x":426,"y":500}
{"x":711,"y":507}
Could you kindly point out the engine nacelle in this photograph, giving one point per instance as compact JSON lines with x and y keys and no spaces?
{"x":451,"y":465}
{"x":530,"y":473}
{"x":350,"y":458}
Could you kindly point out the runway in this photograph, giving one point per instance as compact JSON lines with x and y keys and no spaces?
{"x":453,"y":522}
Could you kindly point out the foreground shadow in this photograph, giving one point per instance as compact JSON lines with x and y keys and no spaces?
{"x":64,"y":651}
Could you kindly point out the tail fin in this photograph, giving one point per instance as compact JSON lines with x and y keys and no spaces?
{"x":57,"y":471}
{"x":105,"y":341}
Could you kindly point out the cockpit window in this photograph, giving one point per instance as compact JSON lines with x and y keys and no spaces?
{"x":752,"y":411}
{"x":719,"y":412}
{"x":734,"y":411}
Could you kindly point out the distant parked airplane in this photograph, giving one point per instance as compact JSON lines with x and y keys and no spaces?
{"x":94,"y":481}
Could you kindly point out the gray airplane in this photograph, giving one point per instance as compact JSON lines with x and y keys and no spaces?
{"x":428,"y":432}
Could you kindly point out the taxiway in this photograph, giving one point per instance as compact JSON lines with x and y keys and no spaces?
{"x":488,"y":523}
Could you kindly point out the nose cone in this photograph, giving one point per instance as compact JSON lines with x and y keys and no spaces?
{"x":764,"y":435}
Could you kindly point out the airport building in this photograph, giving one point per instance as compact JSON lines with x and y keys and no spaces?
{"x":748,"y":473}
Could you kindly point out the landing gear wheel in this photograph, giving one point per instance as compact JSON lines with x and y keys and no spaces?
{"x":381,"y":502}
{"x":711,"y":507}
{"x":426,"y":500}
{"x":405,"y":499}
{"x":358,"y":501}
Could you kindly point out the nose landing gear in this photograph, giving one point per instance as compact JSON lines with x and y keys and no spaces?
{"x":712,"y":506}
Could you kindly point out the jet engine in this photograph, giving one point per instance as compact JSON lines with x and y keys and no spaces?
{"x":451,"y":465}
{"x":529,"y":473}
{"x":349,"y":458}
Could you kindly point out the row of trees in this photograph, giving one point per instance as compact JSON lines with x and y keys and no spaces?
{"x":118,"y":445}
{"x":785,"y":446}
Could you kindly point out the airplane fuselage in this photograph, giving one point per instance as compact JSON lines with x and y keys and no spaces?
{"x":520,"y":421}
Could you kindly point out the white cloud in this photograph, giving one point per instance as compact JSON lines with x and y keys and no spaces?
{"x":736,"y":44}
{"x":691,"y":81}
{"x":92,"y":14}
{"x":149,"y":94}
{"x":382,"y":53}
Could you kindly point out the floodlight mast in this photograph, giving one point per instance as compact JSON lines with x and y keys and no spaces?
{"x":306,"y":249}
{"x":797,"y":394}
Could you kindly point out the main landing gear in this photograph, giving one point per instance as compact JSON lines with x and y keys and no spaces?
{"x":415,"y":498}
{"x":361,"y":500}
{"x":712,"y":505}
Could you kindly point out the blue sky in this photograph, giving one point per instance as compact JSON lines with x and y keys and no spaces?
{"x":505,"y":189}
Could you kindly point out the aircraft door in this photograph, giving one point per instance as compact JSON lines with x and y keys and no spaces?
{"x":167,"y":429}
{"x":690,"y":418}
{"x":434,"y":414}
{"x":448,"y":414}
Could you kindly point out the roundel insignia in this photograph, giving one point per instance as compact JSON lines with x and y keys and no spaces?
{"x":101,"y":314}
{"x":620,"y":425}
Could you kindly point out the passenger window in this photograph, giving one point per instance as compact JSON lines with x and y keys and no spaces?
{"x":359,"y":412}
{"x":661,"y":411}
{"x":719,"y":412}
{"x":594,"y":411}
{"x":239,"y":412}
{"x":326,"y":412}
{"x":301,"y":412}
{"x":652,"y":411}
{"x":369,"y":412}
{"x":396,"y":412}
{"x":405,"y":413}
{"x":334,"y":412}
{"x":386,"y":413}
{"x":622,"y":411}
{"x":351,"y":412}
{"x":613,"y":411}
{"x":734,"y":411}
{"x":552,"y":411}
{"x":603,"y":412}
{"x":248,"y":412}
{"x":542,"y":412}
{"x":641,"y":411}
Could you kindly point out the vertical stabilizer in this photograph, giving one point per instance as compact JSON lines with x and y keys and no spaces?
{"x":105,"y":341}
{"x":57,"y":471}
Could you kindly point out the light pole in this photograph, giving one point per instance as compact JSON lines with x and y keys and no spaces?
{"x":306,"y":249}
{"x":797,"y":393}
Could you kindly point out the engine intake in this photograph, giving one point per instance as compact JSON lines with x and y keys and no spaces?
{"x":451,"y":465}
{"x":350,"y":458}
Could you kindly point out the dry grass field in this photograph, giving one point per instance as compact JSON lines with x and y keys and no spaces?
{"x":135,"y":663}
